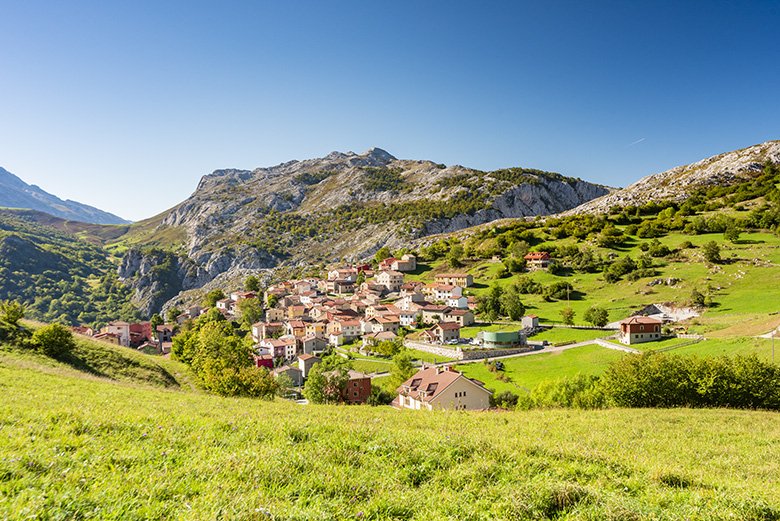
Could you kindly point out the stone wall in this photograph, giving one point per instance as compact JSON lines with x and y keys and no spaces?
{"x":464,"y":354}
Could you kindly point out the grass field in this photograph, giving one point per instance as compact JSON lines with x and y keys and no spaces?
{"x":526,"y":372}
{"x":89,"y":448}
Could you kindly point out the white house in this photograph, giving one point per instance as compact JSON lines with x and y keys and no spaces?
{"x":442,"y":388}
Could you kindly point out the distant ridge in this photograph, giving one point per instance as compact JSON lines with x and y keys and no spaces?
{"x":15,"y":193}
{"x":678,"y":183}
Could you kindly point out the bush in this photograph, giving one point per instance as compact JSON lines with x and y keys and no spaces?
{"x":504,"y":400}
{"x":54,"y":340}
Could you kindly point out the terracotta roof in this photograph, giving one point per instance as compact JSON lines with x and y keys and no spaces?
{"x":306,"y":357}
{"x":537,"y":255}
{"x":451,"y":275}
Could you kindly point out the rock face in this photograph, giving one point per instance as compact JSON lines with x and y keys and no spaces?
{"x":676,"y":184}
{"x":344,"y":205}
{"x":15,"y":193}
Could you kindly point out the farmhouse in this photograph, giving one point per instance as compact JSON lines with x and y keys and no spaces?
{"x":464,"y":280}
{"x":537,"y":260}
{"x":638,"y":329}
{"x":443,"y":332}
{"x":442,"y":388}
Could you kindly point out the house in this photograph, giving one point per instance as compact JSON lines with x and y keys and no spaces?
{"x":638,"y":329}
{"x":442,"y":292}
{"x":140,"y":332}
{"x":377,"y":324}
{"x":372,"y":339}
{"x":537,"y":260}
{"x":443,"y":332}
{"x":407,"y":262}
{"x":164,"y":332}
{"x":340,"y":286}
{"x":111,"y":338}
{"x":391,"y":280}
{"x":342,"y":331}
{"x":358,"y":387}
{"x":83,"y":330}
{"x":296,"y":328}
{"x":442,"y":388}
{"x":266,"y":361}
{"x":313,"y":344}
{"x":464,"y":317}
{"x":262,"y":330}
{"x":274,"y":315}
{"x":282,"y":347}
{"x":226,"y":306}
{"x":464,"y":280}
{"x":121,"y":330}
{"x":433,"y":313}
{"x":347,"y":274}
{"x":293,"y":373}
{"x":406,"y":318}
{"x":238,"y":296}
{"x":296,"y":312}
{"x":530,"y":322}
{"x":306,"y":362}
{"x":317,"y":329}
{"x":457,"y":302}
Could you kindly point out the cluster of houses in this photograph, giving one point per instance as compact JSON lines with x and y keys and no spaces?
{"x":306,"y":316}
{"x":137,"y":335}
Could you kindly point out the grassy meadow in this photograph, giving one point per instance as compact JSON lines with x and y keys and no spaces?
{"x":80,"y":446}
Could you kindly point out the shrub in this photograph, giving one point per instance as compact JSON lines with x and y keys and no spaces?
{"x":54,"y":340}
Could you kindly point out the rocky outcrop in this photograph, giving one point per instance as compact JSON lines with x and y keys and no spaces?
{"x":676,"y":184}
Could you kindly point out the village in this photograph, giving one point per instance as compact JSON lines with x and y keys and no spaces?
{"x":358,"y":309}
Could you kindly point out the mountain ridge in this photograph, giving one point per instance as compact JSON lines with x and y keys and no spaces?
{"x":16,"y":193}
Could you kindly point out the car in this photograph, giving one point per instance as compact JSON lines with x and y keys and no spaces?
{"x":453,"y":342}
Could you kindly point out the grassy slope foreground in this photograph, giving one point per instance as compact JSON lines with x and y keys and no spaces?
{"x":80,"y":447}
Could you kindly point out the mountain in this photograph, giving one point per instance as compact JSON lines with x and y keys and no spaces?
{"x":678,"y":183}
{"x":344,"y":205}
{"x":15,"y":193}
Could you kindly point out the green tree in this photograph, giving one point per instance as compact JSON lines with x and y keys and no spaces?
{"x":382,"y":254}
{"x":155,"y":321}
{"x":402,"y":369}
{"x":252,"y":283}
{"x":567,"y":315}
{"x":455,"y":256}
{"x":597,"y":316}
{"x":250,"y":310}
{"x":211,"y":298}
{"x":11,"y":312}
{"x":511,"y":305}
{"x":732,"y":232}
{"x":325,"y":386}
{"x":173,"y":314}
{"x":489,"y":306}
{"x":54,"y":340}
{"x":711,"y":252}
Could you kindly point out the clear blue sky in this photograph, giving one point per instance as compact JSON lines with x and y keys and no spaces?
{"x":125,"y":105}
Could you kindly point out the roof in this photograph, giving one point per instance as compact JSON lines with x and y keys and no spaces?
{"x":537,"y":255}
{"x":451,"y":275}
{"x":448,"y":325}
{"x":307,"y":357}
{"x":392,"y":273}
{"x":429,"y":383}
{"x":640,"y":320}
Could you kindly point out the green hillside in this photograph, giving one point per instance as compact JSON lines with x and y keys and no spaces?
{"x":79,"y":447}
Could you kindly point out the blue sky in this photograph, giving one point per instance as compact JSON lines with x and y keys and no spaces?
{"x":125,"y":105}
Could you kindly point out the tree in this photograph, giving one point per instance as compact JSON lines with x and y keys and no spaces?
{"x":323,"y":386}
{"x":511,"y":306}
{"x":402,"y":369}
{"x":567,"y":314}
{"x":11,"y":312}
{"x":711,"y":252}
{"x":489,"y":306}
{"x":382,"y":254}
{"x":732,"y":233}
{"x":250,"y":311}
{"x":697,"y":298}
{"x":155,"y":321}
{"x":173,"y":314}
{"x":54,"y":340}
{"x":597,"y":316}
{"x":252,"y":283}
{"x":211,"y":298}
{"x":455,"y":256}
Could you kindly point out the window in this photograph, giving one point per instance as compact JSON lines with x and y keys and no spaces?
{"x":355,"y":394}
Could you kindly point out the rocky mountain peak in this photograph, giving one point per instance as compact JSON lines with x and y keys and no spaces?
{"x":379,"y":155}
